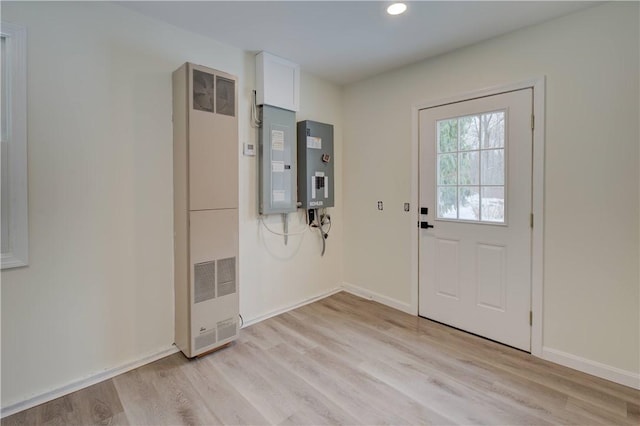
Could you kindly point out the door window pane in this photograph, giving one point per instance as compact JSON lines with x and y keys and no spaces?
{"x":493,"y":130}
{"x":448,"y":135}
{"x":447,"y":169}
{"x":469,"y":203}
{"x":448,"y":202}
{"x":493,"y":204}
{"x":469,"y":132}
{"x":471,"y":167}
{"x":493,"y":167}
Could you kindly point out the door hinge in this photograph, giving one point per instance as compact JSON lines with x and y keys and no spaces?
{"x":533,"y":121}
{"x":531,"y":220}
{"x":530,"y":317}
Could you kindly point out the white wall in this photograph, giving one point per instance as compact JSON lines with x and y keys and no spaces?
{"x":98,"y":291}
{"x":279,"y":275}
{"x":591,"y":281}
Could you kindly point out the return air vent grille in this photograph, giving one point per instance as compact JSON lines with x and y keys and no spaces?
{"x":205,"y":339}
{"x":204,"y":275}
{"x":226,"y":329}
{"x":226,"y":276}
{"x":225,"y":96}
{"x":202,"y":91}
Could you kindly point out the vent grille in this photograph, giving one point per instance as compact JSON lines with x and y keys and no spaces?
{"x":226,"y":276}
{"x":202,"y":91}
{"x":226,"y":329}
{"x":204,"y":281}
{"x":225,"y":96}
{"x":205,"y":339}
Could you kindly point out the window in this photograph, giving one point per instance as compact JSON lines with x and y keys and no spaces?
{"x":471,"y":168}
{"x":14,"y":215}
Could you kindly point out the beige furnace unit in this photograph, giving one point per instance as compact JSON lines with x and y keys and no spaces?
{"x":205,"y":187}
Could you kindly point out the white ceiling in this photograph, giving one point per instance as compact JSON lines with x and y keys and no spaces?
{"x":347,"y":41}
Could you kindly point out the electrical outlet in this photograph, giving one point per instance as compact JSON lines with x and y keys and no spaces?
{"x":380,"y":207}
{"x":406,"y":207}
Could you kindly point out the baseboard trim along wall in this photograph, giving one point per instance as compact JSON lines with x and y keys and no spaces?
{"x":86,"y":382}
{"x":376,"y":297}
{"x":282,"y":310}
{"x":575,"y":362}
{"x":594,"y":368}
{"x":588,"y":366}
{"x":112,"y":372}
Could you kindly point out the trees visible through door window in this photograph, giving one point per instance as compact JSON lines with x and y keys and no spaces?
{"x":471,"y":168}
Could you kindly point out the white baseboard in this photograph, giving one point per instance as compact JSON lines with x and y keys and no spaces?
{"x":291,"y":307}
{"x":371,"y":295}
{"x":112,"y":372}
{"x":85,"y":382}
{"x":594,"y":368}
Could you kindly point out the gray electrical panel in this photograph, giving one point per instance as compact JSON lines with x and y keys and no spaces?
{"x":315,"y":165}
{"x":277,"y":160}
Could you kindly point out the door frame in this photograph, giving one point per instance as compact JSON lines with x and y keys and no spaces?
{"x":537,"y":236}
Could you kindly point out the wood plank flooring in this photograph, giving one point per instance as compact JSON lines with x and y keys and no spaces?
{"x":346,"y":360}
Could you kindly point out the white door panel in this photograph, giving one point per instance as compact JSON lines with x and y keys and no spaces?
{"x":475,"y":180}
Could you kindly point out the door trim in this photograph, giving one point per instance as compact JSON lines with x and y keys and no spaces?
{"x":537,"y":236}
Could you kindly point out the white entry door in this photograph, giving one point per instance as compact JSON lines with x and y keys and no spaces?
{"x":475,"y":181}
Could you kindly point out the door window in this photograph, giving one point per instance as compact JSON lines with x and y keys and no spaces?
{"x":471,"y":168}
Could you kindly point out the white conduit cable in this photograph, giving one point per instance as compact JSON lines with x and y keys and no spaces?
{"x":255,"y":122}
{"x":282,"y":234}
{"x":324,"y":243}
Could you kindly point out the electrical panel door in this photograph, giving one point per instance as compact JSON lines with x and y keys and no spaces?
{"x":315,"y":165}
{"x":277,"y":162}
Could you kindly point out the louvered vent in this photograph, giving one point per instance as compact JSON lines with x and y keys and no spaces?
{"x":225,"y":96}
{"x":226,"y":329}
{"x":204,"y":286}
{"x":226,"y":276}
{"x":202,"y":91}
{"x":205,"y":339}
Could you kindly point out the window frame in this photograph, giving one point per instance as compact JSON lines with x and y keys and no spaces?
{"x":18,"y":221}
{"x":480,"y":186}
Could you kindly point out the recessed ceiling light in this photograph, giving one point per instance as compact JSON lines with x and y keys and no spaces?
{"x":396,"y":9}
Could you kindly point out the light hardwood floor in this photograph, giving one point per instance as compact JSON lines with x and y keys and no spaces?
{"x":346,"y":360}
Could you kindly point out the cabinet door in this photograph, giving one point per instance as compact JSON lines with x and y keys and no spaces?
{"x":213,"y":140}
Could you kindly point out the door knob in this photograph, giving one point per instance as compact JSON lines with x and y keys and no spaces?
{"x":425,"y":225}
